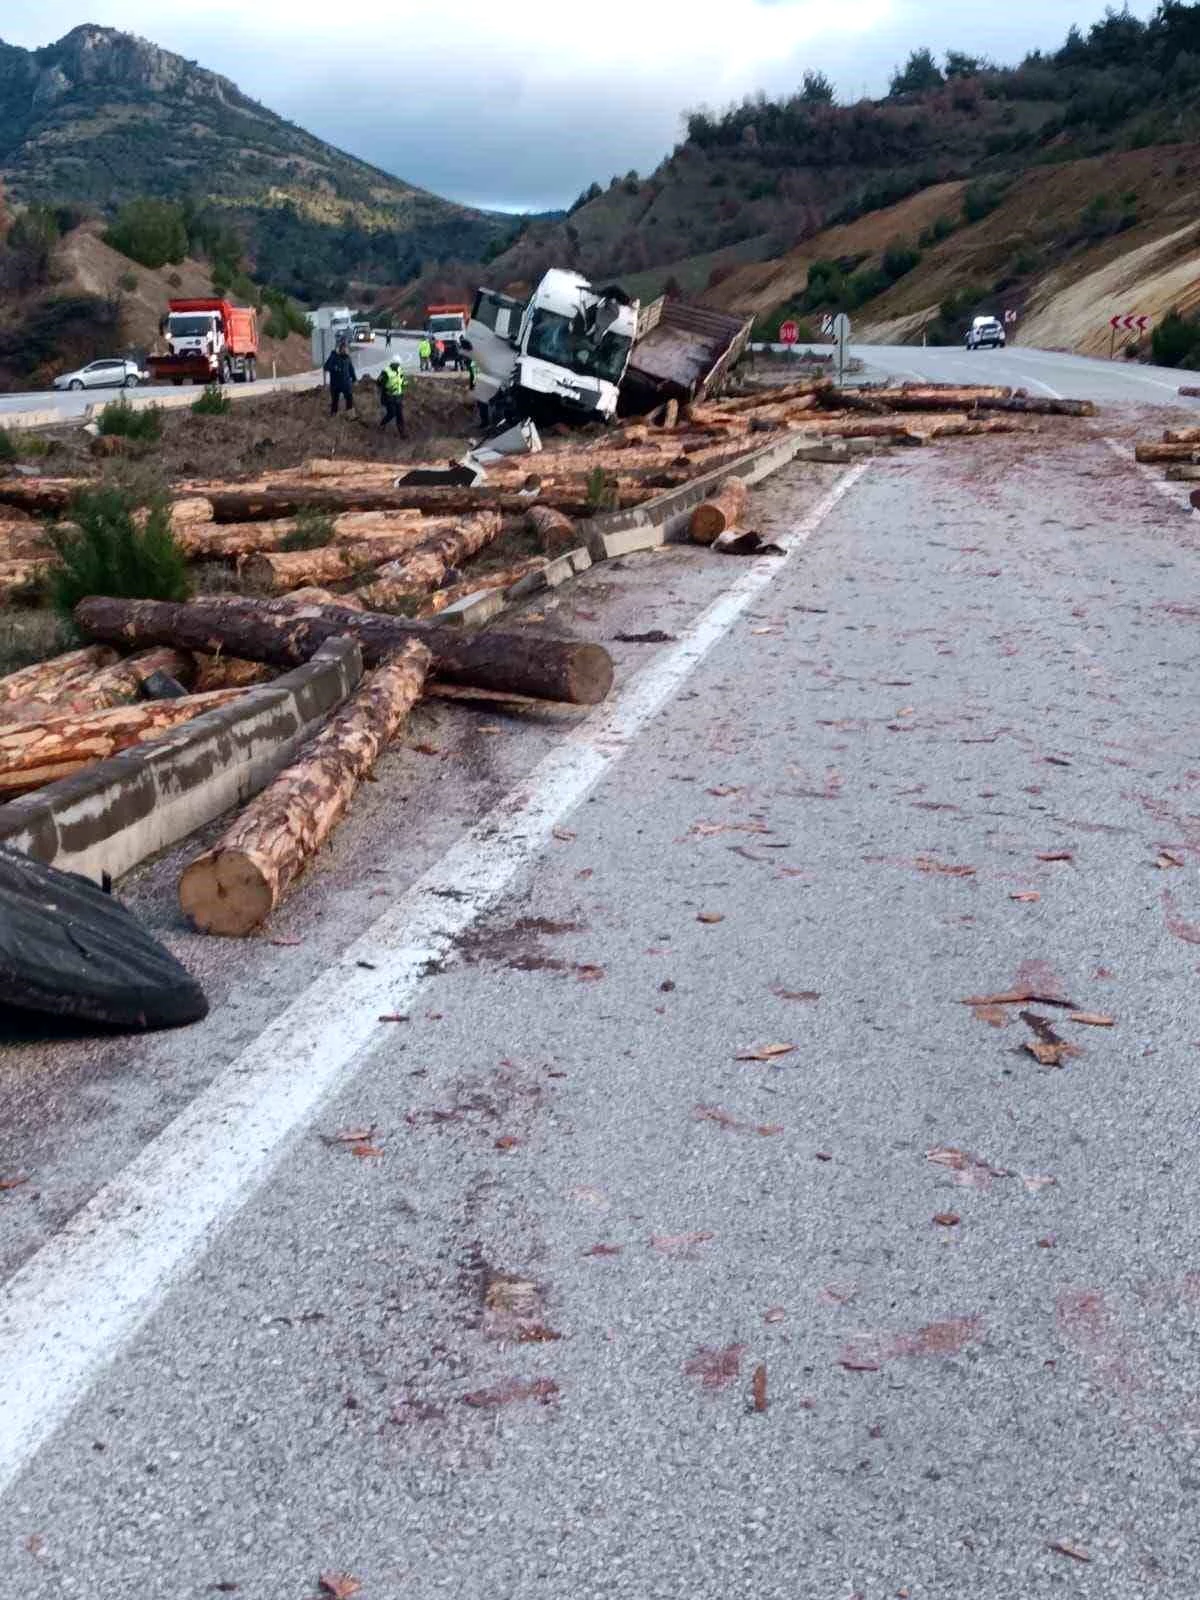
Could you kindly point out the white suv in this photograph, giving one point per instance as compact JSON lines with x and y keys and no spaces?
{"x":987,"y":333}
{"x":101,"y":375}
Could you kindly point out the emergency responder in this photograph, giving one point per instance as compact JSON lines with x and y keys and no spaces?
{"x":425,"y":351}
{"x":341,"y":373}
{"x":391,"y":392}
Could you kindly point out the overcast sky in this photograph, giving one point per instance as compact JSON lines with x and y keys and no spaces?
{"x":520,"y":105}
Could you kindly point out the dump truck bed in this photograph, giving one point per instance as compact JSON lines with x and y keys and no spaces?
{"x":681,"y":353}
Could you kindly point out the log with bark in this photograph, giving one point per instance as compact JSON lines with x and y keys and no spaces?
{"x":312,"y":595}
{"x":1182,"y":436}
{"x":277,"y":571}
{"x":1150,"y":452}
{"x":555,"y":532}
{"x":60,"y":676}
{"x":229,"y":540}
{"x":1183,"y":472}
{"x":801,"y":390}
{"x":22,"y":539}
{"x":40,"y":496}
{"x":22,"y":579}
{"x":720,"y":511}
{"x":117,"y":685}
{"x":284,"y":634}
{"x":500,"y":578}
{"x":240,"y":505}
{"x":1029,"y":405}
{"x":37,"y":753}
{"x":233,"y":888}
{"x":428,"y":564}
{"x":227,"y":672}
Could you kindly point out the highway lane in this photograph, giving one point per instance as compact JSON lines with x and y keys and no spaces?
{"x":688,"y":1091}
{"x":1046,"y":372}
{"x":69,"y":404}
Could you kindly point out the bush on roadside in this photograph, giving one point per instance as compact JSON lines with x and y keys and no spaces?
{"x":110,"y":549}
{"x":213,"y":402}
{"x":8,"y":446}
{"x":119,"y":418}
{"x":1175,"y":341}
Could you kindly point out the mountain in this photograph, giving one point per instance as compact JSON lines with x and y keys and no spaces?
{"x":102,"y":117}
{"x":967,"y":182}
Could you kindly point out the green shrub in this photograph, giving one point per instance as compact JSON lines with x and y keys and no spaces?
{"x":128,"y":282}
{"x":214,"y":402}
{"x":601,"y":491}
{"x":981,"y":199}
{"x":120,"y":418}
{"x":898,"y":259}
{"x":150,"y":231}
{"x":107,"y":552}
{"x":8,"y":448}
{"x":1174,"y":340}
{"x":174,"y":279}
{"x":313,"y":530}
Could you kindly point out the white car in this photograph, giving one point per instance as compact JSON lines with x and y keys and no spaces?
{"x":987,"y":333}
{"x":101,"y":375}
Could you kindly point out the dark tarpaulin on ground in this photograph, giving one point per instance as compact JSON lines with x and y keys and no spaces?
{"x":67,"y":949}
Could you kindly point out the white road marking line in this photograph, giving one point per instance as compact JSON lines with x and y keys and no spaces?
{"x":68,"y":1310}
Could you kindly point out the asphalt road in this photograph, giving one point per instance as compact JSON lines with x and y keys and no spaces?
{"x":368,"y":359}
{"x":696,"y":1238}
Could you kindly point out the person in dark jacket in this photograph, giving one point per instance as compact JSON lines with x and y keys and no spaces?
{"x":341,"y":373}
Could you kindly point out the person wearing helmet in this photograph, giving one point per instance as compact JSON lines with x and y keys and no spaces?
{"x":391,"y":392}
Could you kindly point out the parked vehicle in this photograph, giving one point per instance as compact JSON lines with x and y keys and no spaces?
{"x":208,"y":341}
{"x":561,"y":353}
{"x":102,"y":375}
{"x":364,"y":333}
{"x":987,"y":333}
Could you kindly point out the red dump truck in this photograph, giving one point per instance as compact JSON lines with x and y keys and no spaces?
{"x":208,"y":341}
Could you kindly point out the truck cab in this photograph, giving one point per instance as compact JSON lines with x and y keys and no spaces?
{"x":562,"y":353}
{"x":208,"y":341}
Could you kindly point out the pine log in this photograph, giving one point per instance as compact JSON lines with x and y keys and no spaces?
{"x":42,"y":496}
{"x":233,"y":888}
{"x":232,"y":539}
{"x":227,"y":672}
{"x":285,"y":634}
{"x":955,"y":427}
{"x":21,"y":578}
{"x":1028,"y":405}
{"x":427,"y":565}
{"x":22,"y":539}
{"x":47,"y":679}
{"x":720,"y":511}
{"x":500,"y":578}
{"x":1183,"y":472}
{"x":240,"y":505}
{"x":312,"y":595}
{"x":1182,"y":436}
{"x":932,"y":395}
{"x":33,"y":754}
{"x":1152,"y":452}
{"x":787,"y":391}
{"x":555,"y":531}
{"x":117,"y":685}
{"x":275,"y":572}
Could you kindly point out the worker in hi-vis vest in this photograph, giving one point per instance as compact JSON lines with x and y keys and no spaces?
{"x":391,"y":393}
{"x":425,"y":351}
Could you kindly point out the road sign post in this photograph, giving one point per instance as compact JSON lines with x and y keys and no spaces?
{"x":841,"y":338}
{"x":788,"y":333}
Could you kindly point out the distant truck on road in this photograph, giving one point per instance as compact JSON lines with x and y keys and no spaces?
{"x":208,"y":341}
{"x":446,"y":322}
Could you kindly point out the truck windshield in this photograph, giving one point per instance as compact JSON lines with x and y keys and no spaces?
{"x":191,"y":327}
{"x":440,"y":325}
{"x":551,"y":338}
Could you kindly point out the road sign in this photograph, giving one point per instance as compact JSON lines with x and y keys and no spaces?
{"x":827,"y":327}
{"x":1010,"y":316}
{"x":1129,"y":324}
{"x":788,"y":333}
{"x":841,"y":338}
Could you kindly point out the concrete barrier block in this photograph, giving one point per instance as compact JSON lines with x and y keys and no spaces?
{"x":119,"y":812}
{"x":473,"y":610}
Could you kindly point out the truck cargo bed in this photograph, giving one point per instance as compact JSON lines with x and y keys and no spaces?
{"x":681,"y":353}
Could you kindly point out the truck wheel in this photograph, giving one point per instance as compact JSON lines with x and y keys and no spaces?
{"x":251,"y":370}
{"x":223,"y":372}
{"x":178,"y":382}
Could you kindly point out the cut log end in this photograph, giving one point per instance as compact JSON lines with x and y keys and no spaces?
{"x":226,"y":892}
{"x":721,"y":511}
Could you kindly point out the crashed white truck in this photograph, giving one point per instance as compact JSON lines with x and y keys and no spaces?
{"x":579,"y":354}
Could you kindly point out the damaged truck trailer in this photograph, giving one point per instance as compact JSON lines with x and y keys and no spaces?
{"x":574,"y":353}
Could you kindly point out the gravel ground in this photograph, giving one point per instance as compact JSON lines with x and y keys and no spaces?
{"x":616,"y":1311}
